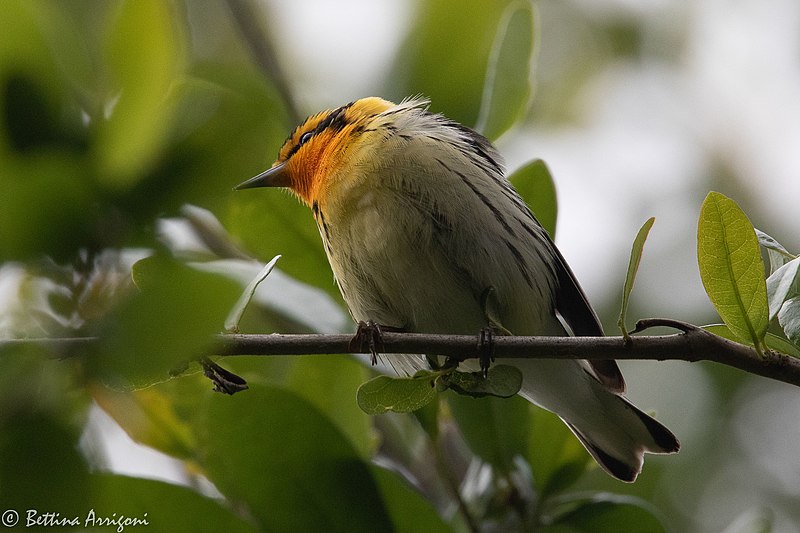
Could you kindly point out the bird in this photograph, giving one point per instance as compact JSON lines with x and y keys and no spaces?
{"x":420,"y":224}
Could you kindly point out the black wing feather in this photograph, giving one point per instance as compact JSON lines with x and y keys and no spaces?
{"x":574,"y":307}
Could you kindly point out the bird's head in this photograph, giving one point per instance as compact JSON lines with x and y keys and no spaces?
{"x":317,"y":151}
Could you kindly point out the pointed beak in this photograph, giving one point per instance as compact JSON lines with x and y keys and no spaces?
{"x":277,"y":176}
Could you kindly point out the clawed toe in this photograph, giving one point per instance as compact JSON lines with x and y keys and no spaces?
{"x":367,"y":339}
{"x":486,"y":349}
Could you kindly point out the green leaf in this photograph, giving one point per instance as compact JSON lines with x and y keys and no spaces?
{"x":633,"y":268}
{"x":772,"y":341}
{"x":507,"y":87}
{"x":448,"y":48}
{"x":235,"y":315}
{"x":783,"y":289}
{"x":169,"y":321}
{"x":778,"y":255}
{"x":789,"y":319}
{"x":211,"y":234}
{"x":271,"y":223}
{"x":41,"y":466}
{"x":535,"y":185}
{"x":782,"y":285}
{"x":601,"y":512}
{"x":144,"y":59}
{"x":148,"y":417}
{"x":329,"y":383}
{"x":557,"y":458}
{"x":145,"y":272}
{"x":45,"y":208}
{"x":400,"y":395}
{"x":155,"y":502}
{"x":409,"y":511}
{"x":285,"y":464}
{"x":496,"y":429}
{"x":503,"y":381}
{"x":428,"y":418}
{"x":228,"y":125}
{"x":731,"y":268}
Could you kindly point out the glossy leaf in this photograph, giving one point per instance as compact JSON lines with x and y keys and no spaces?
{"x":399,"y":395}
{"x":507,"y":87}
{"x":633,"y":268}
{"x":731,"y":268}
{"x":535,"y":185}
{"x":292,"y":470}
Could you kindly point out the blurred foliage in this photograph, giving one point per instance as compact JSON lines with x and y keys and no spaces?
{"x":445,"y":56}
{"x":535,"y":184}
{"x":507,"y":86}
{"x":116,"y":114}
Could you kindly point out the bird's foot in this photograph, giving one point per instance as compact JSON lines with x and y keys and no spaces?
{"x":486,"y":349}
{"x":368,"y":339}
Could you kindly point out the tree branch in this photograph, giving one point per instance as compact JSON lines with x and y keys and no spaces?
{"x":692,"y":344}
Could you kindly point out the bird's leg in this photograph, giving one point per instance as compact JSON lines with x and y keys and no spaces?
{"x":486,"y":349}
{"x":369,"y":338}
{"x":491,"y":310}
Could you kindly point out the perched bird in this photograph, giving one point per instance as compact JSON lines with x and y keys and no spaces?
{"x":420,"y":224}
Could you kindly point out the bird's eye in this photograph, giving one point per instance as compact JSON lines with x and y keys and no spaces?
{"x":304,"y":138}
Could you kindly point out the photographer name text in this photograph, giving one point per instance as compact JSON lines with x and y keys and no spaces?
{"x":35,"y":518}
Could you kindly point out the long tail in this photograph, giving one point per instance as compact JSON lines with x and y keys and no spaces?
{"x":625,"y":463}
{"x":613,"y":430}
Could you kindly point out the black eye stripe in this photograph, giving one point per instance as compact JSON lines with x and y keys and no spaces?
{"x":334,"y":120}
{"x":304,"y":138}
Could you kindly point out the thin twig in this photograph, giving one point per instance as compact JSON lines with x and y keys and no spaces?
{"x":692,"y":344}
